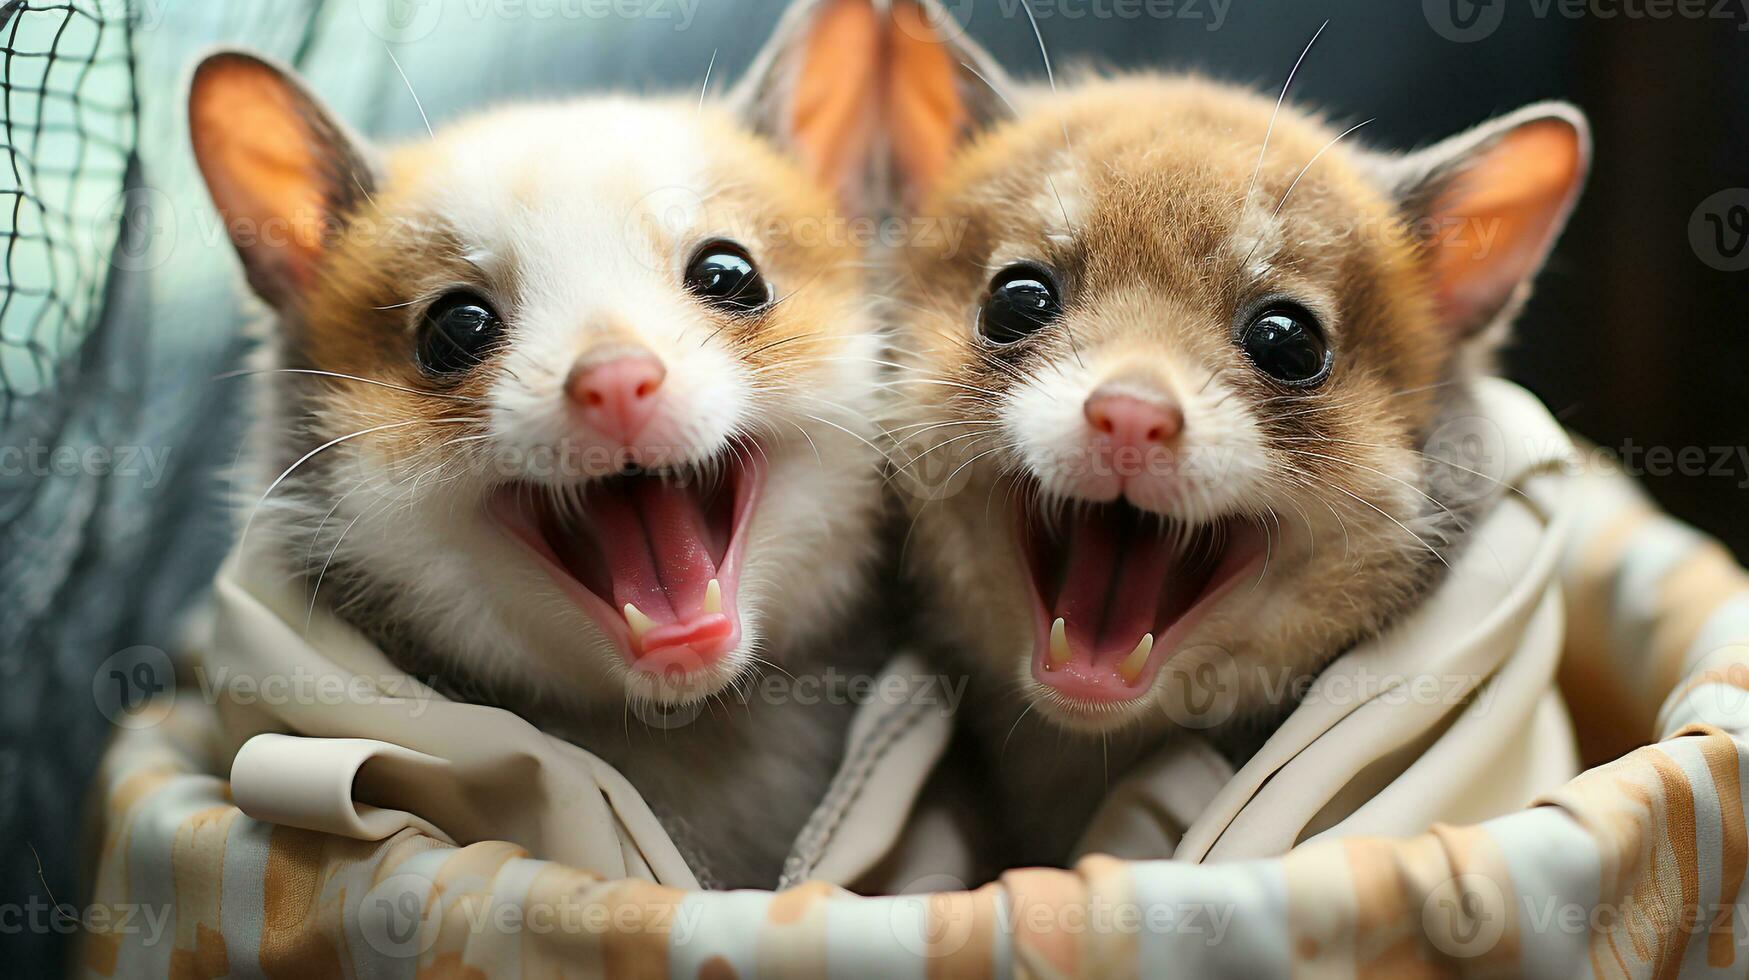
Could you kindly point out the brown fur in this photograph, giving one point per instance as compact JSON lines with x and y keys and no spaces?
{"x":1164,"y":165}
{"x":392,"y":251}
{"x":1138,"y":192}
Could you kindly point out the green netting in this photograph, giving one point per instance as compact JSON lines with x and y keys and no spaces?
{"x":66,"y":78}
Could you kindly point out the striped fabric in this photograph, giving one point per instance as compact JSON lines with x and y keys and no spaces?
{"x":1634,"y":869}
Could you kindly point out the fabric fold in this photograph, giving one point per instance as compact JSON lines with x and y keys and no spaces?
{"x":1428,"y":722}
{"x":1633,"y":869}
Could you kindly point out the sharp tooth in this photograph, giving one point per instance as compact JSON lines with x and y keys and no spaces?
{"x":713,"y":597}
{"x":639,"y":622}
{"x":1132,"y":665}
{"x":1059,"y":643}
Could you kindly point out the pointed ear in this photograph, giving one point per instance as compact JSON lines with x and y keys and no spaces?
{"x":1488,"y":205}
{"x":814,"y":90}
{"x":861,"y":88}
{"x":282,"y":171}
{"x":942,"y":88}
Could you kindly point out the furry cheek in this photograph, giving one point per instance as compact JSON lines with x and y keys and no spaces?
{"x":704,"y":405}
{"x":1217,"y":467}
{"x":1043,"y":418}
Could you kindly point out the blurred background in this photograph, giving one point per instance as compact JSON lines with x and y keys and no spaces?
{"x":120,"y":299}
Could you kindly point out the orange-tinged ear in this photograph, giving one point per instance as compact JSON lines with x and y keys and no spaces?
{"x":925,"y":114}
{"x":833,"y":110}
{"x":858,"y":88}
{"x":814,"y":90}
{"x":1490,"y":204}
{"x":941,"y":88}
{"x":282,"y":172}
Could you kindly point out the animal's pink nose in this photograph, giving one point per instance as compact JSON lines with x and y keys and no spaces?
{"x":618,"y":396}
{"x":1132,"y":422}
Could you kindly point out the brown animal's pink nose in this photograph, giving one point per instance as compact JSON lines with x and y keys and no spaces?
{"x":617,"y":397}
{"x":1132,"y":422}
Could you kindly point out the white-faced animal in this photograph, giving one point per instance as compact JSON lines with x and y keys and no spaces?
{"x":567,"y":407}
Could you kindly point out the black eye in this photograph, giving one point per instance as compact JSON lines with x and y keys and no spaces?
{"x":1286,"y":343}
{"x":1022,"y":300}
{"x":723,"y":275}
{"x":458,"y":332}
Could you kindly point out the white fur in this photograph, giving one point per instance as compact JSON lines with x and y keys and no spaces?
{"x":1217,"y":468}
{"x":555,"y":204}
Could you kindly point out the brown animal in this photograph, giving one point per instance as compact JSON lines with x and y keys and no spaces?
{"x":1178,"y":389}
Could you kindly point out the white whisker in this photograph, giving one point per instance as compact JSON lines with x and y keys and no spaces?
{"x":1315,"y":157}
{"x":409,"y":83}
{"x":1278,"y":104}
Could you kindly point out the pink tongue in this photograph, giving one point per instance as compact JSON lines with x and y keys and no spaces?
{"x":656,"y":539}
{"x":1113,"y":576}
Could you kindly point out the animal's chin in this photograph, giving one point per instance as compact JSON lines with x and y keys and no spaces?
{"x":1114,"y":592}
{"x":654,"y":559}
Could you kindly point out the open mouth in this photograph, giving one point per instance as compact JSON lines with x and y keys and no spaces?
{"x":1116,"y":589}
{"x":653,"y":558}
